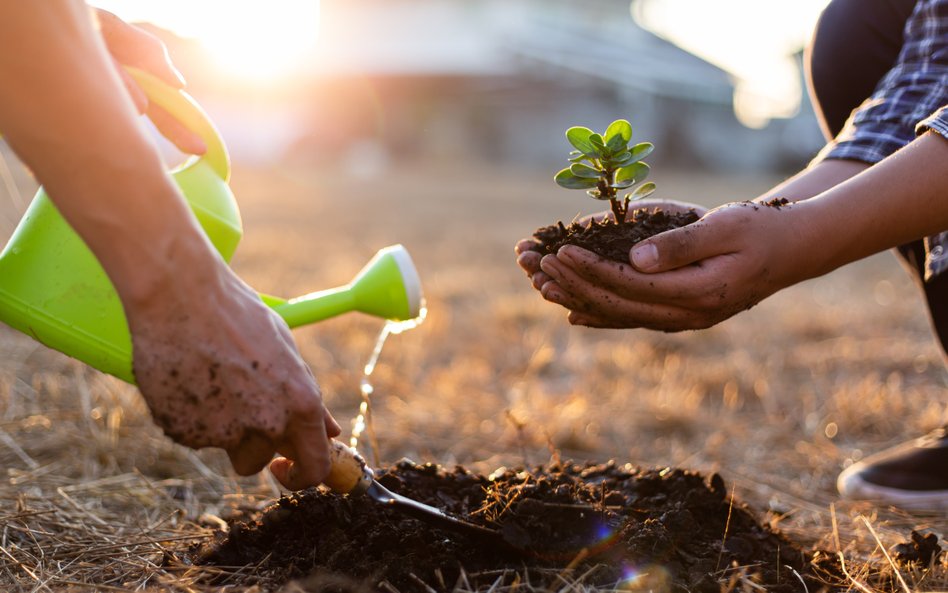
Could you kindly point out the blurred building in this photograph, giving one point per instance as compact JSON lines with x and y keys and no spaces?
{"x":450,"y":80}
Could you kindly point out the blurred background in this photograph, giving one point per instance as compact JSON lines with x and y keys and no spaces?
{"x":367,"y":84}
{"x":439,"y":124}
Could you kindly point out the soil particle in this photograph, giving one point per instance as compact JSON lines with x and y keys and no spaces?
{"x":612,"y":524}
{"x":921,"y":550}
{"x":610,"y":239}
{"x":776,"y":203}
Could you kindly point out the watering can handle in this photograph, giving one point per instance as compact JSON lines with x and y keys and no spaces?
{"x":183,"y":108}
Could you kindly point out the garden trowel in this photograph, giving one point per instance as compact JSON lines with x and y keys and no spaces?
{"x":350,"y":475}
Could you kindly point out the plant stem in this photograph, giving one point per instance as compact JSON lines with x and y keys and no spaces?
{"x":606,"y":189}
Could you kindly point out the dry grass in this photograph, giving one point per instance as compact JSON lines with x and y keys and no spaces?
{"x":777,"y":400}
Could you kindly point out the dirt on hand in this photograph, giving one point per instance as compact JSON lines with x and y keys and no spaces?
{"x":607,"y":238}
{"x":602,"y":525}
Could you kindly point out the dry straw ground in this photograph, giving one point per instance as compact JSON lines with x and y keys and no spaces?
{"x":777,"y":400}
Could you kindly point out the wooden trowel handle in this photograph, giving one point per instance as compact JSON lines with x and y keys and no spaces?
{"x":349,"y":473}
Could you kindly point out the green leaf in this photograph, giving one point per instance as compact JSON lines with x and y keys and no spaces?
{"x":579,"y":158}
{"x":620,"y":128}
{"x":584,"y":171}
{"x":642,"y":150}
{"x":636,"y":172}
{"x":640,"y":192}
{"x":616,"y":144}
{"x":565,"y":178}
{"x":622,"y":159}
{"x":599,"y":146}
{"x":624,"y":184}
{"x":578,"y":136}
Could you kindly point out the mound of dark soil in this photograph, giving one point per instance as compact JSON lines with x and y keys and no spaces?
{"x":608,"y":238}
{"x":601,"y":524}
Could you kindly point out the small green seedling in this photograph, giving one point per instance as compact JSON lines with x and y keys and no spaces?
{"x":604,"y":164}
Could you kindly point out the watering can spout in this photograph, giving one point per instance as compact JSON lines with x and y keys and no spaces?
{"x":387,"y":287}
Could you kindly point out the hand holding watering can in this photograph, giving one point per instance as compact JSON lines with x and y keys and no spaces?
{"x":213,"y":359}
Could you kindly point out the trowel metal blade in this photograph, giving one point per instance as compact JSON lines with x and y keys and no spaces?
{"x":431,"y":515}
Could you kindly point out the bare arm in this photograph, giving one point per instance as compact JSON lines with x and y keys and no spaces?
{"x":899,"y":199}
{"x":215,"y":365}
{"x":64,"y":112}
{"x":814,"y":180}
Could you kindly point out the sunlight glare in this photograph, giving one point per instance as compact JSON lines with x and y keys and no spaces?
{"x":265,"y":44}
{"x":757,"y":42}
{"x":250,"y":39}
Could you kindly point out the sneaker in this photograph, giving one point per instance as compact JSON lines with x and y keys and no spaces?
{"x":912,"y":476}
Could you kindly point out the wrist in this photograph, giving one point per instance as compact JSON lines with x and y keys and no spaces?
{"x":167,"y":272}
{"x":814,"y":180}
{"x":822,"y":237}
{"x":149,"y":243}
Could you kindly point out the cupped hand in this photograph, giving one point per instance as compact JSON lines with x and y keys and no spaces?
{"x":687,"y":278}
{"x":222,"y":370}
{"x":132,"y":46}
{"x":529,"y":258}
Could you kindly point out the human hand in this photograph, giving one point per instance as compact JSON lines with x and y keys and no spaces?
{"x":687,"y":278}
{"x":221,"y":369}
{"x":529,"y":259}
{"x":129,"y":45}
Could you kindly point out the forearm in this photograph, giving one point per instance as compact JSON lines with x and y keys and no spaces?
{"x":814,"y":180}
{"x":902,"y":198}
{"x":65,"y":113}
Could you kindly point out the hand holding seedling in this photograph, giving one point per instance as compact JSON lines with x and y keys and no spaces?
{"x":603,"y":165}
{"x":739,"y":253}
{"x":529,"y":258}
{"x":687,"y":278}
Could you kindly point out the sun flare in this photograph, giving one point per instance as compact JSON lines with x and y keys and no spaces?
{"x":249,"y":39}
{"x":756,"y":42}
{"x":266,"y":43}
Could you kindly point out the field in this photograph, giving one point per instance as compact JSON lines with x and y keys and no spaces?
{"x":777,"y":400}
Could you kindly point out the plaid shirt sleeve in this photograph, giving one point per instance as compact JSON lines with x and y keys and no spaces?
{"x":938,"y":122}
{"x":912,"y":98}
{"x":936,"y":246}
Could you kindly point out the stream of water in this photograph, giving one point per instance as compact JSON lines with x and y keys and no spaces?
{"x":362,"y":423}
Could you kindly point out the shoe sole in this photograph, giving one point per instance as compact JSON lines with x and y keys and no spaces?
{"x":853,"y":487}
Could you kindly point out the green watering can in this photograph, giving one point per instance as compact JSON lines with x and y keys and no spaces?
{"x":53,"y":288}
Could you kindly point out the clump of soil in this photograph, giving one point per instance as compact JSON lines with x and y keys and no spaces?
{"x":608,"y":238}
{"x":922,"y":549}
{"x":603,"y":525}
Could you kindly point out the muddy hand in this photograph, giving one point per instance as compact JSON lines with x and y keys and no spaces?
{"x":528,"y":258}
{"x":218,"y":368}
{"x":687,"y":278}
